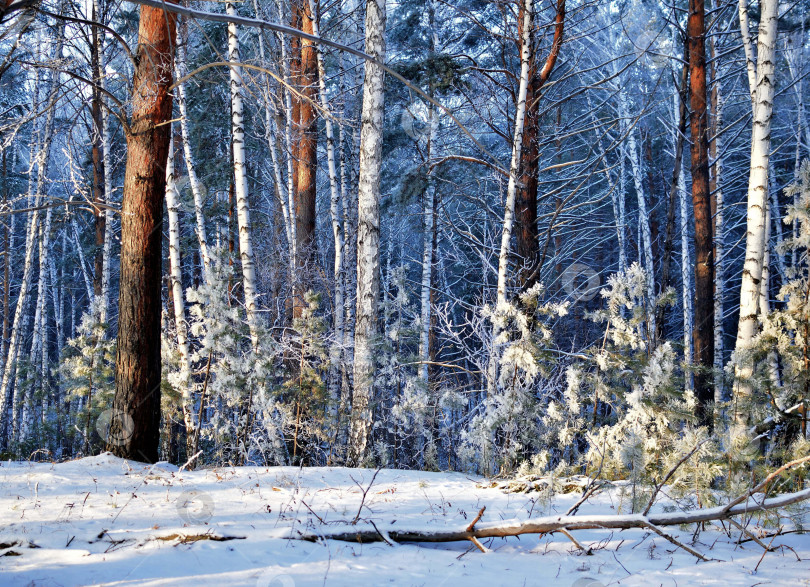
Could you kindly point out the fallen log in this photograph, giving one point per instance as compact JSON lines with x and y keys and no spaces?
{"x":547,"y":524}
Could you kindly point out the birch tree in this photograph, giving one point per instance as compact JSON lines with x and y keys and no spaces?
{"x":191,"y":167}
{"x":755,"y":244}
{"x":240,"y":180}
{"x":183,"y":380}
{"x":368,"y":231}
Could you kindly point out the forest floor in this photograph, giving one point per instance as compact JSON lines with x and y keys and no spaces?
{"x":105,"y":521}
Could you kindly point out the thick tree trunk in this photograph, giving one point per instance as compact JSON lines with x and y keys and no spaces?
{"x":368,"y":231}
{"x":135,"y":425}
{"x":305,"y":150}
{"x":757,"y":203}
{"x":703,"y":335}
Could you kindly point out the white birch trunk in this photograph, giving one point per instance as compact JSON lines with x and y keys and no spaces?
{"x":757,"y":205}
{"x":35,"y":197}
{"x":776,"y":220}
{"x":88,"y":281}
{"x":750,"y":61}
{"x":197,"y":189}
{"x":368,"y":231}
{"x":511,"y":189}
{"x":106,"y":259}
{"x":429,"y":230}
{"x":37,"y":353}
{"x":719,"y":261}
{"x":241,"y":183}
{"x":291,"y":228}
{"x":274,"y":140}
{"x":175,"y":274}
{"x":517,"y":143}
{"x":643,"y":215}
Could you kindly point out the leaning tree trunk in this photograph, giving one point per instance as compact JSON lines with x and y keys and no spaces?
{"x":757,"y":202}
{"x":511,"y":189}
{"x":135,"y":423}
{"x":527,"y":244}
{"x":703,"y":334}
{"x":196,"y":186}
{"x":368,"y":230}
{"x":241,"y":183}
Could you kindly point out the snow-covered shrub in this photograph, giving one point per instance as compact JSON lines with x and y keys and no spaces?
{"x":237,"y":382}
{"x":506,"y":428}
{"x":625,"y":412}
{"x":304,"y":389}
{"x":87,"y":374}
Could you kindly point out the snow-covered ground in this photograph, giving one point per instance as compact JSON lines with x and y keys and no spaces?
{"x":102,"y":520}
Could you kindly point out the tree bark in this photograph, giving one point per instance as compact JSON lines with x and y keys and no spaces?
{"x":197,"y":189}
{"x":703,"y":334}
{"x":241,"y":183}
{"x":135,"y":425}
{"x":757,"y":203}
{"x":527,"y":245}
{"x":679,"y":114}
{"x":368,"y":231}
{"x":718,"y":226}
{"x":178,"y":301}
{"x":337,"y":228}
{"x":97,"y":140}
{"x":305,"y":150}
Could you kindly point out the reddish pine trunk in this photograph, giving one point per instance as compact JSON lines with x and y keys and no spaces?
{"x":135,"y":429}
{"x":703,"y":335}
{"x":526,"y":237}
{"x":305,"y":149}
{"x":527,"y":244}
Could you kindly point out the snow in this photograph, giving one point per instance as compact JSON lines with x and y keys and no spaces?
{"x":105,"y":521}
